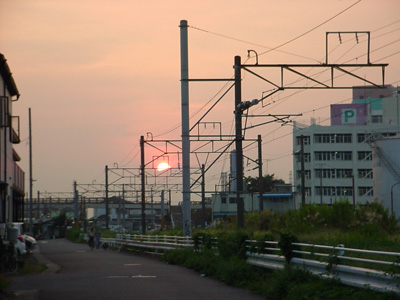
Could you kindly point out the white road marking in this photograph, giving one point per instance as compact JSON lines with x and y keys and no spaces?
{"x":133,"y":276}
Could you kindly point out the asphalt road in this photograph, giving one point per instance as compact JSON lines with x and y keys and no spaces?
{"x":98,"y":274}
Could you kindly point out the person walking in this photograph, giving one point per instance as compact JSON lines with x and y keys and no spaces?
{"x":91,"y":238}
{"x":97,"y":236}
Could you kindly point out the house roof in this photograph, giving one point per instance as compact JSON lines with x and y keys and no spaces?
{"x":5,"y":72}
{"x":274,"y":195}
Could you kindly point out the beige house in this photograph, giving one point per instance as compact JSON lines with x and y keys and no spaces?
{"x":11,"y":176}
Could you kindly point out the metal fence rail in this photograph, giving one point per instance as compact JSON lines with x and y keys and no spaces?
{"x":326,"y":261}
{"x":330,"y":261}
{"x":156,"y":242}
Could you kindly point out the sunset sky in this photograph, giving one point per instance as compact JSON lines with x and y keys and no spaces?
{"x":99,"y":74}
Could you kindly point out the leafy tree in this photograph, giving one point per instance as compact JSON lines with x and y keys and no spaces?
{"x":268,"y":180}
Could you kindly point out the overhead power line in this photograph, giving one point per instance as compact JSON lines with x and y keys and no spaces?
{"x":312,"y":29}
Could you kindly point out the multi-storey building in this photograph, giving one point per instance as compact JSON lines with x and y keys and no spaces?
{"x":11,"y":175}
{"x":337,"y":159}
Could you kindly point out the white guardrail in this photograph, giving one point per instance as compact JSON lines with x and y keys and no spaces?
{"x":335,"y":267}
{"x":155,"y":242}
{"x":270,"y":257}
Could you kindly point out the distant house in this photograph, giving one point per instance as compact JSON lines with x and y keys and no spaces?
{"x":12,"y":177}
{"x":280,"y":200}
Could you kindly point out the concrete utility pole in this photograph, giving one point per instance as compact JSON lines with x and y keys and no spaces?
{"x":107,"y":212}
{"x":30,"y":176}
{"x":187,"y":230}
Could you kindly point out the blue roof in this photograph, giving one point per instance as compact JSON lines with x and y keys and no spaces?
{"x":225,"y":214}
{"x":281,"y":195}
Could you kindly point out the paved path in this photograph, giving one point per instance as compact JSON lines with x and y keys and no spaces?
{"x":79,"y":273}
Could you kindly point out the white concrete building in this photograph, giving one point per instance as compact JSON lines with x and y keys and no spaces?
{"x":386,"y":169}
{"x":338,"y":158}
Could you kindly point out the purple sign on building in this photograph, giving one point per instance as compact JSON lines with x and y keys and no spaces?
{"x":349,"y":114}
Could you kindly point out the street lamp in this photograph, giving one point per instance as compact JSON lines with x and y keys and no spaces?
{"x":391,"y":196}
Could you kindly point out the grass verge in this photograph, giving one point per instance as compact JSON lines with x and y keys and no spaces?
{"x":288,"y":284}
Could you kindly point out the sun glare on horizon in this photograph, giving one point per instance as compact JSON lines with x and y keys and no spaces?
{"x":163,"y":166}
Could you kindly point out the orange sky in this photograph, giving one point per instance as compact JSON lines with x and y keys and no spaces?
{"x":99,"y":74}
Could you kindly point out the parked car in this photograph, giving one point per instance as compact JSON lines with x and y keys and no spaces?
{"x":30,"y":242}
{"x":20,"y":245}
{"x":118,"y":229}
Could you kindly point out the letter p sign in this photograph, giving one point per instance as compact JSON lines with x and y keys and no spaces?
{"x":349,"y":116}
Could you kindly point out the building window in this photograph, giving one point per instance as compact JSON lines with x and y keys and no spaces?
{"x":333,"y":138}
{"x":333,"y":173}
{"x":307,"y":174}
{"x":363,"y":137}
{"x":387,"y":134}
{"x":367,"y":137}
{"x":340,"y":191}
{"x":365,"y":173}
{"x":223,"y":200}
{"x":333,"y":155}
{"x":232,"y":200}
{"x":364,"y":155}
{"x":306,"y":140}
{"x":377,"y":119}
{"x":365,"y":191}
{"x":307,"y":157}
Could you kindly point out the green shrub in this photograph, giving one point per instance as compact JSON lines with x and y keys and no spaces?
{"x":205,"y":262}
{"x":203,"y":240}
{"x":232,"y":243}
{"x":5,"y":283}
{"x":261,"y":238}
{"x":177,"y":257}
{"x":287,"y":284}
{"x":286,"y":245}
{"x":237,"y":272}
{"x":74,"y":235}
{"x":278,"y":284}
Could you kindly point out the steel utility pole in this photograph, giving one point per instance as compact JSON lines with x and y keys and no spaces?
{"x":185,"y":130}
{"x":203,"y":197}
{"x":107,"y":212}
{"x":143,"y":189}
{"x":76,"y":209}
{"x":260,"y":176}
{"x":239,"y":142}
{"x":354,"y":191}
{"x":303,"y":175}
{"x":162,"y":210}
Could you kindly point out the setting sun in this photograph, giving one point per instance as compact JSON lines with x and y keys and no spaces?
{"x":163,"y":166}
